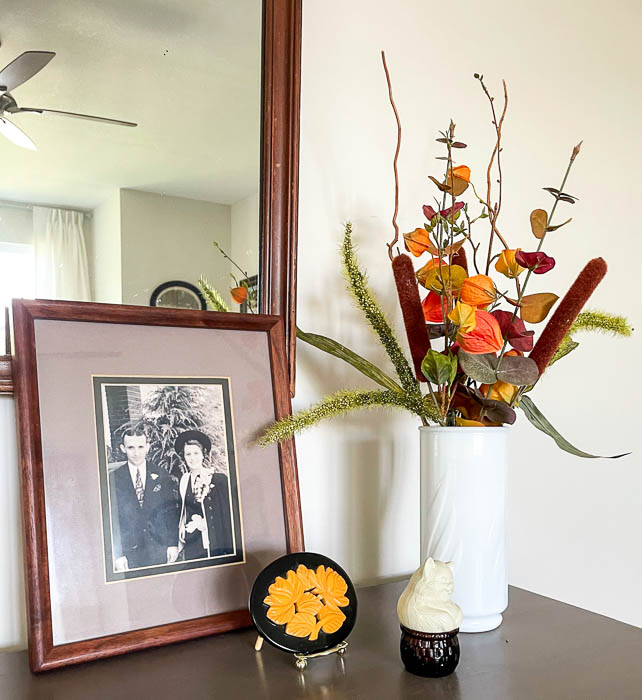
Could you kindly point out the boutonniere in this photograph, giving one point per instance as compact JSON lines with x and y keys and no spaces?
{"x":157,"y":488}
{"x":154,"y":476}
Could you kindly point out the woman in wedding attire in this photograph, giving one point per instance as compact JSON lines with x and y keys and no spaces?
{"x":205,"y":527}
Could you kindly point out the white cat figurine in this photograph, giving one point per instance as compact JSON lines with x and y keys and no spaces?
{"x":425,"y":604}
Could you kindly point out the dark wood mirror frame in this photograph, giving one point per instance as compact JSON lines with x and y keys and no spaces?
{"x":279,"y":172}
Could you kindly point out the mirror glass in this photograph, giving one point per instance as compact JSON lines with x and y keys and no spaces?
{"x":92,"y":210}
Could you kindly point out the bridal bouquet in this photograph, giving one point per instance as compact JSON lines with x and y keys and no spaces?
{"x":471,"y":318}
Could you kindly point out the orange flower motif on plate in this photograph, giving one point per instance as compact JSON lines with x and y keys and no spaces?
{"x":285,"y":593}
{"x":308,"y":601}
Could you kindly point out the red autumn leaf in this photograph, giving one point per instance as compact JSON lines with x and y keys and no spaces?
{"x":429,"y":212}
{"x":433,"y":308}
{"x":446,"y":212}
{"x":514,"y":330}
{"x":538,"y":261}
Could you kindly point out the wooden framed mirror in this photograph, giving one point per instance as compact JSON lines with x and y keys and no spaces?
{"x":220,"y":137}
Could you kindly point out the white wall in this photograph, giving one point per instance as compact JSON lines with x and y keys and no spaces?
{"x":170,"y":238}
{"x":572,"y":74}
{"x":16,"y":225}
{"x":245,"y":234}
{"x":12,"y":600}
{"x":104,"y":251}
{"x":574,"y":523}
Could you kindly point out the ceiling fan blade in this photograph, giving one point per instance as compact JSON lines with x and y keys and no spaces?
{"x":23,"y":68}
{"x":75,"y":115}
{"x":15,"y":134}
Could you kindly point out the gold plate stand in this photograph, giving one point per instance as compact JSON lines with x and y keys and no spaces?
{"x":302,"y":659}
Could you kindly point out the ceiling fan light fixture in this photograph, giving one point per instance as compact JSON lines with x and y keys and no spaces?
{"x":16,"y":135}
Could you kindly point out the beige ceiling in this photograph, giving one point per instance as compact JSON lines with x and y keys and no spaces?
{"x":188,"y":71}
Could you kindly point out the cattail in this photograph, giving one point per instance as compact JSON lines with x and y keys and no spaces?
{"x":413,"y":315}
{"x":459,"y":258}
{"x":566,"y":313}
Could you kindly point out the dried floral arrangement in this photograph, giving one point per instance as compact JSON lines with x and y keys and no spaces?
{"x":241,"y":293}
{"x":470,"y":338}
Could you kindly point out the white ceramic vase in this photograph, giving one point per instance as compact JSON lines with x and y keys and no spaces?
{"x":463,"y":516}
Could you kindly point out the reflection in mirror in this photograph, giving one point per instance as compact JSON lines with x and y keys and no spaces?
{"x":108,"y":212}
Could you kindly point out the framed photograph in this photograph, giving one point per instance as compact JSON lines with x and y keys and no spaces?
{"x":148,"y":507}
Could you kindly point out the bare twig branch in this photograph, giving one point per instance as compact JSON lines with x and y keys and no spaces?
{"x":394,"y":165}
{"x":493,"y":212}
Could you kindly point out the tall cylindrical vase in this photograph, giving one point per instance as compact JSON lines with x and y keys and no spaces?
{"x":463,"y":516}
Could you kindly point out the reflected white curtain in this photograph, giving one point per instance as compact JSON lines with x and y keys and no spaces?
{"x":60,"y":254}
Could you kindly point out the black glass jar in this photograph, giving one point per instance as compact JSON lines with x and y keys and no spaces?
{"x":429,"y":654}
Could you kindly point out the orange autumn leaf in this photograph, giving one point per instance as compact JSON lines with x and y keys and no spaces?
{"x":303,"y":625}
{"x":418,"y":242}
{"x":462,"y":171}
{"x":239,"y":294}
{"x":454,"y":247}
{"x":331,"y":619}
{"x":534,"y":308}
{"x":478,"y":290}
{"x":499,"y":391}
{"x":465,"y":423}
{"x":433,"y":307}
{"x":484,"y":338}
{"x":539,"y":223}
{"x":423,"y":272}
{"x":507,"y":265}
{"x":284,"y":593}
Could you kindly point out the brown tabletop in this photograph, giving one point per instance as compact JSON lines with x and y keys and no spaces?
{"x":544,"y":649}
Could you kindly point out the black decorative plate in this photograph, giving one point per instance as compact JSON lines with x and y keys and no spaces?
{"x":303,"y":603}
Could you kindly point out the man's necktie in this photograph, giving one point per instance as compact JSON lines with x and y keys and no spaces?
{"x":140,"y":490}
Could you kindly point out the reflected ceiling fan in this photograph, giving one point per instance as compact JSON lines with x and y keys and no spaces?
{"x":18,"y":72}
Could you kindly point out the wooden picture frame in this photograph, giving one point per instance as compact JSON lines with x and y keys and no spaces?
{"x":59,"y":344}
{"x":281,"y":77}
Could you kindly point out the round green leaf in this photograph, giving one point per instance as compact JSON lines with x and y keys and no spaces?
{"x":481,"y":368}
{"x":518,"y":371}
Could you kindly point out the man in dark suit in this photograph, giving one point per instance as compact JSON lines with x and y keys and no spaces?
{"x":145,"y":509}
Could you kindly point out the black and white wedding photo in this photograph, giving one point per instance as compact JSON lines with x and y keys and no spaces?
{"x":168,"y":475}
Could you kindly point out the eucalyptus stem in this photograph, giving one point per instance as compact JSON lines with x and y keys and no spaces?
{"x":549,"y":219}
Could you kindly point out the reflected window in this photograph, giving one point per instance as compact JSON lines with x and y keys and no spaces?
{"x":18,"y":277}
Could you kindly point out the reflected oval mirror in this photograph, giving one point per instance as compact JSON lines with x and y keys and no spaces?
{"x":94,"y":210}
